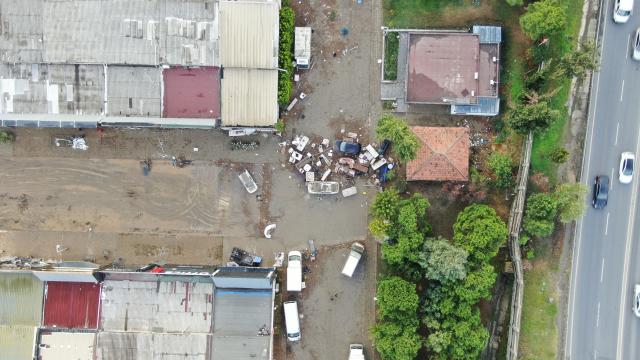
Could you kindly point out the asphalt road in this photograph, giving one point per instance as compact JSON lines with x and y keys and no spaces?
{"x":601,"y":323}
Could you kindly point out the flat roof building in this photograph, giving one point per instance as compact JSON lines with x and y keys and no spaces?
{"x":456,"y":68}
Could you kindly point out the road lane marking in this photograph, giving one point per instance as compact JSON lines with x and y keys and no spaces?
{"x":576,"y":249}
{"x":602,"y":273}
{"x":628,"y":42}
{"x":617,"y":131}
{"x":622,"y":92}
{"x":598,"y":318}
{"x":623,"y":298}
{"x":606,"y":231}
{"x":611,"y":187}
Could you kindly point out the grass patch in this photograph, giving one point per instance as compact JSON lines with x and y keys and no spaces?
{"x":413,"y":14}
{"x":391,"y":45}
{"x":539,"y":335}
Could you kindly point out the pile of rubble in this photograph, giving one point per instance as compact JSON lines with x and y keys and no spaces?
{"x":315,"y":161}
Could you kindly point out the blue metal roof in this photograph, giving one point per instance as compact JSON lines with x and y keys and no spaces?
{"x":488,"y":34}
{"x":485,"y":107}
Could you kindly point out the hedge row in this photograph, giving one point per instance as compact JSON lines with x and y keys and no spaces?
{"x":285,"y":55}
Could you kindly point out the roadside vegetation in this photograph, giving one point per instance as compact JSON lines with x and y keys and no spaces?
{"x":540,"y":58}
{"x":285,"y":55}
{"x":391,"y":46}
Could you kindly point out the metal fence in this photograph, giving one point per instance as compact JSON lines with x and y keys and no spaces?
{"x":515,"y":220}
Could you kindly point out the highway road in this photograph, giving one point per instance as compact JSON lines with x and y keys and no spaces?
{"x":601,"y":324}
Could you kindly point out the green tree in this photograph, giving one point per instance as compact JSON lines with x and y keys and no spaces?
{"x":543,"y":18}
{"x":397,"y":299}
{"x":385,"y":206}
{"x":537,"y":227}
{"x":479,"y":231}
{"x":537,"y":118}
{"x":477,"y":285}
{"x":578,"y":62}
{"x":405,"y":142}
{"x":379,"y":227}
{"x":502,"y":166}
{"x":542,"y":206}
{"x":438,"y":341}
{"x":559,"y":155}
{"x":571,"y":201}
{"x":443,"y":261}
{"x":468,"y":337}
{"x":397,"y":340}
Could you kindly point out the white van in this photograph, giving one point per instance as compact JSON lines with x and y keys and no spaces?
{"x":292,"y":320}
{"x":622,"y":9}
{"x":294,"y":271}
{"x":356,"y":352}
{"x":350,"y":265}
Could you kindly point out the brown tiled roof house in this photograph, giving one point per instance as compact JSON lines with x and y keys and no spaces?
{"x":444,"y":155}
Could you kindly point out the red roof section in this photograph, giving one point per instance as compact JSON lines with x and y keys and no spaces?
{"x":71,"y":305}
{"x":192,"y":93}
{"x":444,"y":154}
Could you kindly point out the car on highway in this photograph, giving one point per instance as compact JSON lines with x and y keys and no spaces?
{"x":247,"y":181}
{"x":323,"y":187}
{"x":636,"y":300}
{"x":346,"y":147}
{"x":636,"y":46}
{"x":601,"y":192}
{"x":627,"y":163}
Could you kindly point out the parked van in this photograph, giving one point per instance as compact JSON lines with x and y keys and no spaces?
{"x":357,"y":250}
{"x":292,"y":320}
{"x":622,"y":9}
{"x":356,"y":352}
{"x":294,"y":271}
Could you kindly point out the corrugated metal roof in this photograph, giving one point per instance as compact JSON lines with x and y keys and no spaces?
{"x":152,"y":346}
{"x":111,"y":32}
{"x":486,"y":107}
{"x":64,"y":346}
{"x":249,"y":34}
{"x":142,"y":306}
{"x":249,"y":97}
{"x":71,"y":305}
{"x":17,"y":342}
{"x":20,"y":299}
{"x":244,"y":277}
{"x":488,"y":34}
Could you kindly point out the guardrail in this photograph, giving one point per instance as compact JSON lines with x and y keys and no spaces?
{"x":515,"y":220}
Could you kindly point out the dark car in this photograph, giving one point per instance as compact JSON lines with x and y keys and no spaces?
{"x":346,"y":147}
{"x":601,"y":192}
{"x":383,"y":147}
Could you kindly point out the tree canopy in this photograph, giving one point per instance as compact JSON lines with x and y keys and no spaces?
{"x":571,"y":204}
{"x":405,"y":142}
{"x":577,"y":62}
{"x":443,"y":261}
{"x":479,"y":231}
{"x":543,"y":18}
{"x":537,"y":118}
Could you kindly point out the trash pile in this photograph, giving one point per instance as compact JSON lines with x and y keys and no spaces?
{"x":19,"y":262}
{"x":74,"y":142}
{"x":315,"y":161}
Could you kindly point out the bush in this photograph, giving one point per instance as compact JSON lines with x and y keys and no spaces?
{"x":502,"y":166}
{"x":538,"y":53}
{"x":391,"y":47}
{"x":285,"y":55}
{"x":280,"y":126}
{"x":6,"y":138}
{"x":286,"y":3}
{"x":536,"y":82}
{"x":400,"y":186}
{"x":559,"y":155}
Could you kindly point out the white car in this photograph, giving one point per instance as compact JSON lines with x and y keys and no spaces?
{"x":627,"y":164}
{"x":636,"y":46}
{"x":323,"y":187}
{"x":247,"y":181}
{"x":636,"y":300}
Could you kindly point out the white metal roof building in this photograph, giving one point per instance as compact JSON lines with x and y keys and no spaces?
{"x":249,"y":97}
{"x":107,"y":58}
